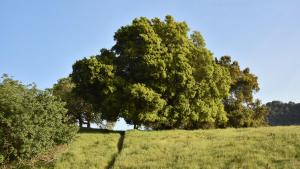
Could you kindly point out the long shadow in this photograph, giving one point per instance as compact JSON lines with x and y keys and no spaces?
{"x":120,"y":147}
{"x":93,"y":130}
{"x":121,"y":141}
{"x":105,"y":131}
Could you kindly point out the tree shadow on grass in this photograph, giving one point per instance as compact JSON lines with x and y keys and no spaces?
{"x":105,"y":131}
{"x":102,"y":131}
{"x":120,"y":147}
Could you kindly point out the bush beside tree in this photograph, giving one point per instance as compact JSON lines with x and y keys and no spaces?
{"x":31,"y":121}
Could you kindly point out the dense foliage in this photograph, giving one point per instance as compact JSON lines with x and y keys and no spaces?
{"x":78,"y":109}
{"x":31,"y":121}
{"x":284,"y":113}
{"x":158,"y":76}
{"x":242,"y":110}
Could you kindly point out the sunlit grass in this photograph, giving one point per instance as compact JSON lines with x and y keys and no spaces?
{"x":90,"y":150}
{"x":267,"y":147}
{"x":249,"y":148}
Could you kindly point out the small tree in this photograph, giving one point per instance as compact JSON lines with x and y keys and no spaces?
{"x":79,"y":110}
{"x":240,"y":106}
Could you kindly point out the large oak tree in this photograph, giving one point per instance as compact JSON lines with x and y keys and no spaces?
{"x":157,"y":75}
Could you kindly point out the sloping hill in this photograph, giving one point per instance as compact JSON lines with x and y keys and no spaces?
{"x":267,"y":147}
{"x":92,"y":149}
{"x":249,"y":148}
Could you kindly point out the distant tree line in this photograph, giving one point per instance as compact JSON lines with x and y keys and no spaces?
{"x":283,"y":113}
{"x":159,"y":76}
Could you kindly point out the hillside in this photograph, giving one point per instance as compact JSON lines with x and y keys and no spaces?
{"x":266,"y":147}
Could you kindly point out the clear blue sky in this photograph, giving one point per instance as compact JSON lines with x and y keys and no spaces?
{"x":40,"y":40}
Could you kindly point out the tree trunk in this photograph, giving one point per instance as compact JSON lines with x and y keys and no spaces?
{"x":80,"y":122}
{"x":135,"y":126}
{"x":88,"y":124}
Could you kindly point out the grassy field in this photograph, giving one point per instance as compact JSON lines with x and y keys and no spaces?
{"x":267,"y":147}
{"x":91,"y":149}
{"x":251,"y":148}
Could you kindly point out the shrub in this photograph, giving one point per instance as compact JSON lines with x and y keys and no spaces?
{"x":31,"y":121}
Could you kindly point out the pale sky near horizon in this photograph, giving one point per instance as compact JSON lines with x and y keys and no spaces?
{"x":40,"y":40}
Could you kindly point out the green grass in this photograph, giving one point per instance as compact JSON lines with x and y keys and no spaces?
{"x":267,"y":147}
{"x":91,"y":149}
{"x":251,"y":148}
